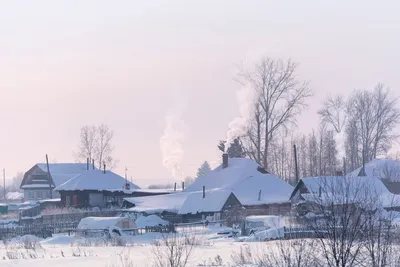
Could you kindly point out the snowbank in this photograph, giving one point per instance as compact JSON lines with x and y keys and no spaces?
{"x":14,"y":196}
{"x":99,"y":223}
{"x":149,"y":221}
{"x":59,"y":240}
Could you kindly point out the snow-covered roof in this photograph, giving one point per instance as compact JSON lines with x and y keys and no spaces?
{"x":213,"y":202}
{"x":97,"y":180}
{"x":158,"y":203}
{"x":100,"y":223}
{"x":14,"y":195}
{"x":243,"y":179}
{"x":347,"y":188}
{"x":149,"y":221}
{"x":381,"y":168}
{"x":62,"y":172}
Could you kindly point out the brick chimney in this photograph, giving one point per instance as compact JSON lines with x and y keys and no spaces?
{"x":224,"y":160}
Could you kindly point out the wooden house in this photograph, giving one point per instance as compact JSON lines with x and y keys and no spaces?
{"x":95,"y":188}
{"x":39,"y":181}
{"x":213,"y":205}
{"x":335,"y":191}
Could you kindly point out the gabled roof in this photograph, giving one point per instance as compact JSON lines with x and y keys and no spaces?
{"x":381,"y":168}
{"x":158,"y":203}
{"x":243,"y":178}
{"x":340,"y":188}
{"x":96,"y":180}
{"x":60,"y":173}
{"x":213,"y":201}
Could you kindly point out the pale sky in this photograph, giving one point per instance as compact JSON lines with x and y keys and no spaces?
{"x":65,"y":64}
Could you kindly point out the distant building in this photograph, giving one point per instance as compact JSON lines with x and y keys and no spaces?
{"x":38,"y":184}
{"x":388,"y":170}
{"x":238,"y":187}
{"x":95,"y":188}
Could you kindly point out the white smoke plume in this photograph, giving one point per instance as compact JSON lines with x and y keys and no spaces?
{"x":238,"y":126}
{"x":171,"y":143}
{"x":340,"y":144}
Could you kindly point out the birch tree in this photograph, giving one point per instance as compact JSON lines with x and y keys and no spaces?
{"x":96,"y":144}
{"x":280,"y":97}
{"x":374,"y":116}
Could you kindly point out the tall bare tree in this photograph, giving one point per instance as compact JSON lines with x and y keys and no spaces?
{"x":279,"y":97}
{"x":374,"y":114}
{"x":104,"y":146}
{"x":334,"y":112}
{"x":96,"y":144}
{"x":88,"y":142}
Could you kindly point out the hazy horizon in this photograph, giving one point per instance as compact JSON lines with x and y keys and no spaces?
{"x":128,"y":64}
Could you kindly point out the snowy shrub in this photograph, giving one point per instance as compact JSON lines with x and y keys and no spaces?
{"x":243,"y":257}
{"x":287,"y":253}
{"x":123,"y":260}
{"x":173,"y":250}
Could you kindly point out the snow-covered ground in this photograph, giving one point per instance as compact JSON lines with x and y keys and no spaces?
{"x":62,"y":250}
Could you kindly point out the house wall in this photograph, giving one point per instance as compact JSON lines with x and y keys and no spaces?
{"x":38,"y":194}
{"x":126,"y":224}
{"x":270,"y":209}
{"x":96,"y":200}
{"x":36,"y":176}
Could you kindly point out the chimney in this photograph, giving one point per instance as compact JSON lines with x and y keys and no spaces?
{"x":224,"y":160}
{"x":104,"y":166}
{"x":320,"y":191}
{"x":204,"y":191}
{"x":183,"y":185}
{"x":87,"y":163}
{"x":259,"y":195}
{"x":175,"y":187}
{"x":93,"y":163}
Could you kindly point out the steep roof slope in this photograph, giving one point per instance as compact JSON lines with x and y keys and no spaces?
{"x":213,"y":202}
{"x":244,"y":179}
{"x":96,"y":180}
{"x":62,"y":172}
{"x":381,"y":168}
{"x":341,"y":188}
{"x":159,"y":203}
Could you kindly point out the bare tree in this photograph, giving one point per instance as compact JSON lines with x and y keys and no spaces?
{"x":104,"y":146}
{"x":96,"y":144}
{"x":88,"y":142}
{"x":374,"y":114}
{"x":380,"y":237}
{"x":342,"y":205}
{"x":280,"y":97}
{"x":334,"y":112}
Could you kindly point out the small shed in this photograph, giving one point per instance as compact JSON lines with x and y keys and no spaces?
{"x":93,"y":226}
{"x":104,"y":223}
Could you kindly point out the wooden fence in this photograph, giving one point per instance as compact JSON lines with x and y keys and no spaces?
{"x":47,"y":230}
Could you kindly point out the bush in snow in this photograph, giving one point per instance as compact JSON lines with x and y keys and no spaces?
{"x":123,"y":260}
{"x":173,"y":250}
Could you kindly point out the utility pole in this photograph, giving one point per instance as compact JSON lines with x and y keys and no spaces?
{"x":49,"y":177}
{"x":4,"y":183}
{"x":296,"y":167}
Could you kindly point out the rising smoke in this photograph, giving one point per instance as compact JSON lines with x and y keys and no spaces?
{"x":171,"y":142}
{"x":238,"y":126}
